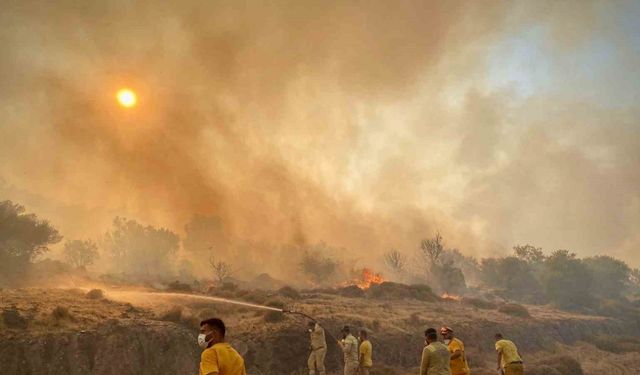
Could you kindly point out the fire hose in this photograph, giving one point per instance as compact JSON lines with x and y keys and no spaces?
{"x":292,"y":312}
{"x":286,"y":311}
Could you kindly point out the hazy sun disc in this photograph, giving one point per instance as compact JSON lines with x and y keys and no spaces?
{"x":126,"y":98}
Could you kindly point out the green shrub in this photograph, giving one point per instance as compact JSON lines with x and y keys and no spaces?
{"x":617,"y":344}
{"x":177,"y":286}
{"x":174,"y":314}
{"x":563,"y":364}
{"x":542,"y":370}
{"x":60,"y":313}
{"x":391,"y":290}
{"x":351,"y":291}
{"x":480,"y":303}
{"x":375,"y":324}
{"x":273,"y":317}
{"x":229,"y":286}
{"x":415,"y":320}
{"x":256,"y":296}
{"x":514,"y":309}
{"x":289,"y":292}
{"x":12,"y":319}
{"x":95,"y":294}
{"x":180,"y":315}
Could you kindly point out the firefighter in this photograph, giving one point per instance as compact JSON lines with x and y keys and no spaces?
{"x":318,"y":347}
{"x":459,"y":365}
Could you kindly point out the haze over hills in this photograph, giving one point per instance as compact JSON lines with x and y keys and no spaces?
{"x":389,"y":165}
{"x":366,"y":127}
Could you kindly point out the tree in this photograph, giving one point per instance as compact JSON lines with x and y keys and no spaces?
{"x":440,"y":271}
{"x":141,"y":250}
{"x":513,"y":276}
{"x":221,"y":270}
{"x":317,"y":265}
{"x":450,"y":278}
{"x":431,"y":249}
{"x":611,"y":277}
{"x":396,"y":261}
{"x":22,"y":238}
{"x":567,"y":281}
{"x":528,"y":253}
{"x":468,"y":265}
{"x":81,"y":254}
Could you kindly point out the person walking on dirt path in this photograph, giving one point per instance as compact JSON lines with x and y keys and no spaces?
{"x":349,"y":346}
{"x":459,"y":365}
{"x":318,"y":347}
{"x":365,"y":353}
{"x":435,"y":355}
{"x":509,"y":360}
{"x":218,"y":357}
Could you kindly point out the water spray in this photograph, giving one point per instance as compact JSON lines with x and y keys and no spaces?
{"x":223,"y":300}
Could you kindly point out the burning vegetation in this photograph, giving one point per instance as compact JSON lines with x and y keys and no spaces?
{"x":367,"y":278}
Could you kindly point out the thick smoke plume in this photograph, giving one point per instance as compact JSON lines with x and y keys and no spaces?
{"x":368,"y":125}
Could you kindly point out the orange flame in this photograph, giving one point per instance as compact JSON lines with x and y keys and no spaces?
{"x":368,"y":278}
{"x":453,"y":297}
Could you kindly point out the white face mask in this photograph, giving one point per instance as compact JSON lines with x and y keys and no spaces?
{"x":447,"y":341}
{"x":202,"y":340}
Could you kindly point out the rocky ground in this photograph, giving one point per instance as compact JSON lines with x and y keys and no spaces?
{"x":56,"y":332}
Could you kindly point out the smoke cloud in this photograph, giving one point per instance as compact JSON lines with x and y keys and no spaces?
{"x":368,"y":125}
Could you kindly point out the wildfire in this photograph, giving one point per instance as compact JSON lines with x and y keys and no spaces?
{"x":452,"y":297}
{"x":367,"y":278}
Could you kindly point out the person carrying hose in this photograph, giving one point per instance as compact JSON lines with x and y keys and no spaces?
{"x":349,"y":346}
{"x":318,"y":346}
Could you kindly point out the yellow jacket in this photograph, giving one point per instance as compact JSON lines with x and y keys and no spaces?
{"x":435,"y":360}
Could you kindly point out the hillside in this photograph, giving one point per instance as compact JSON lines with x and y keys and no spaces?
{"x":142,"y":332}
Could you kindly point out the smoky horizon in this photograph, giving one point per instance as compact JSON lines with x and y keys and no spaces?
{"x":348,"y":128}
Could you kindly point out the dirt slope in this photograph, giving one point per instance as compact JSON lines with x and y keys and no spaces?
{"x":59,"y":332}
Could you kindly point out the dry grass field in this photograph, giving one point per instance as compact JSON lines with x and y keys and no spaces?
{"x":279,"y":345}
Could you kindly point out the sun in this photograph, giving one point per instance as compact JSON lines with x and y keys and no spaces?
{"x":127,"y":98}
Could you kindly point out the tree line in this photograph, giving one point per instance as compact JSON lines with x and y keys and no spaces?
{"x":528,"y":275}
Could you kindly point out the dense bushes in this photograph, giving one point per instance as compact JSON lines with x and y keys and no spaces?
{"x":616,"y":344}
{"x":60,"y":313}
{"x":178,"y":286}
{"x":480,"y":303}
{"x":289,"y":292}
{"x":391,"y":290}
{"x":95,"y":294}
{"x":514,"y":309}
{"x":596,"y":285}
{"x":560,"y":364}
{"x":274,"y":316}
{"x":22,"y":238}
{"x":180,"y":315}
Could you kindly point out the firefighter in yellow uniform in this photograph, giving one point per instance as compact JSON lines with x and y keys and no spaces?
{"x":435,"y":355}
{"x":365,"y":353}
{"x":318,"y":349}
{"x":509,"y":360}
{"x":459,"y":365}
{"x":218,"y":357}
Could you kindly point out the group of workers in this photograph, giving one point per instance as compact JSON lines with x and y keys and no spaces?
{"x":446,"y":357}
